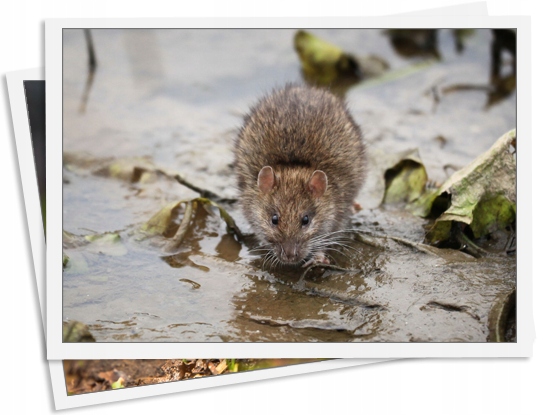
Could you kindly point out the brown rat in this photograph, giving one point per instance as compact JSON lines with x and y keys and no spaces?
{"x":300,"y":162}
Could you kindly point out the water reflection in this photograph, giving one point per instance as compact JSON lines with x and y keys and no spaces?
{"x":92,"y":63}
{"x":145,"y":59}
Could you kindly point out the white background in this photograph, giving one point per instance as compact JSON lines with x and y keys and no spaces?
{"x":407,"y":387}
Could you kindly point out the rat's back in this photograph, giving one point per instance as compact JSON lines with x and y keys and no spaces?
{"x":301,"y":126}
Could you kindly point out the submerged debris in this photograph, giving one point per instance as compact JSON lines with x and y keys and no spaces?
{"x":76,"y":332}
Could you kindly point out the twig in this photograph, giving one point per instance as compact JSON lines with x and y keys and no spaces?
{"x":466,"y":87}
{"x":416,"y":245}
{"x":175,"y":242}
{"x":368,"y":239}
{"x":90,"y":50}
{"x":202,"y":192}
{"x":469,"y":246}
{"x":510,"y":246}
{"x":314,"y":289}
{"x":300,"y":283}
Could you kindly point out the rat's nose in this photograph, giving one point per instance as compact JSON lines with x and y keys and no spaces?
{"x":290,"y":251}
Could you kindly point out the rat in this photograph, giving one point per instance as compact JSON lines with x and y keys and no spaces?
{"x":300,"y":163}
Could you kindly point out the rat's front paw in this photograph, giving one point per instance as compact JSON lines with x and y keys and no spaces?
{"x":356,"y":207}
{"x":318,"y":258}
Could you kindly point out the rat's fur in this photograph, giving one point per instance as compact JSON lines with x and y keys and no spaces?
{"x":297,"y":130}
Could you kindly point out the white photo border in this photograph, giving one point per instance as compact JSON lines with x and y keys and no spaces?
{"x":56,"y":349}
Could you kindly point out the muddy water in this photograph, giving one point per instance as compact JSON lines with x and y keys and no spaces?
{"x":172,"y":99}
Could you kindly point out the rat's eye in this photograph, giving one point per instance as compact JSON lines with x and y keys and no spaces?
{"x":275,"y":219}
{"x":305,"y":220}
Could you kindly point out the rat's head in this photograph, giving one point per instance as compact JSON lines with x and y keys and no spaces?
{"x":291,"y":211}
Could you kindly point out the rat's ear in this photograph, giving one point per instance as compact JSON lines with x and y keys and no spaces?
{"x":318,"y":184}
{"x":266,"y":179}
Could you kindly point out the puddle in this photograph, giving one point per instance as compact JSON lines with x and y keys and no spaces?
{"x":173,"y":100}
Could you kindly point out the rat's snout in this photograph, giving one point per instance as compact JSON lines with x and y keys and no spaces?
{"x":290,"y":252}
